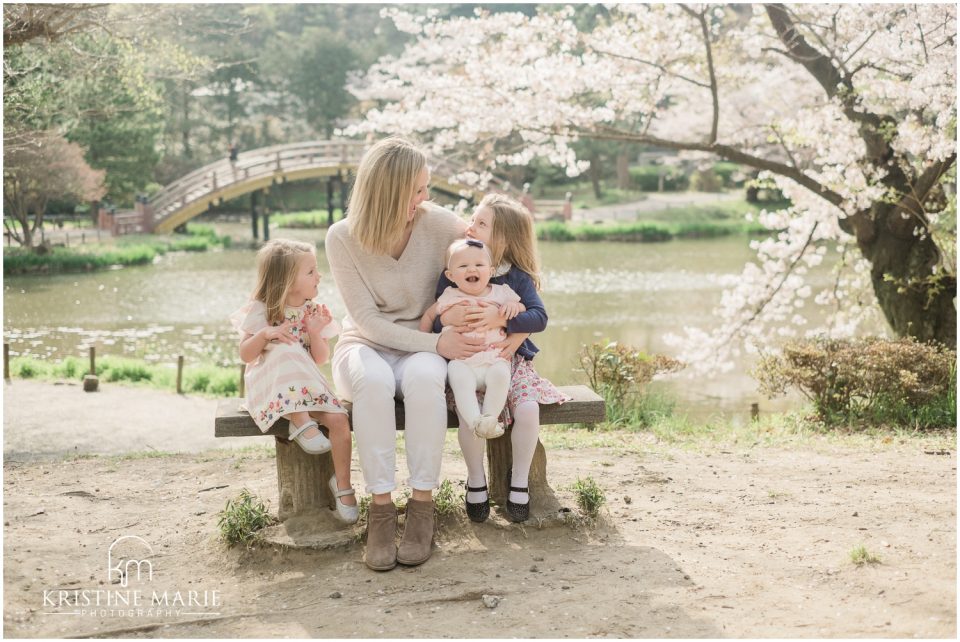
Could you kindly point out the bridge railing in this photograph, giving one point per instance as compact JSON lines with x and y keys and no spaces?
{"x":262,"y":162}
{"x":270,"y":161}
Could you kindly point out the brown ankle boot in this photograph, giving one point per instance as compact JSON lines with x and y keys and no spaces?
{"x":416,"y":545}
{"x":381,"y":553}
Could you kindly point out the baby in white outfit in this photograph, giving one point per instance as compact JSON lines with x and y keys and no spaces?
{"x":469,"y":266}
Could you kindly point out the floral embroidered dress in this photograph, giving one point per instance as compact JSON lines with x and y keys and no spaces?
{"x":284,"y":378}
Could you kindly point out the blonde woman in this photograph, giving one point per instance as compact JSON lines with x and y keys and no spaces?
{"x":384,"y":258}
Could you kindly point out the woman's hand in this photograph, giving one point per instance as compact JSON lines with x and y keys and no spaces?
{"x":511,"y":344}
{"x":317,"y":319}
{"x":452,"y":344}
{"x":280,"y":333}
{"x":486,"y":317}
{"x":456,"y":315}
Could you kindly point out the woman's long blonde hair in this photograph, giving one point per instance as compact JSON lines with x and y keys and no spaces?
{"x":382,"y":193}
{"x":512,"y":237}
{"x":276,"y":271}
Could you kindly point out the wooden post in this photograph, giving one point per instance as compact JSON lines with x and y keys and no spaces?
{"x":302,"y":480}
{"x":266,"y":225}
{"x":253,"y":214}
{"x":91,"y":383}
{"x":543,"y":502}
{"x":243,"y":371}
{"x":755,"y":411}
{"x":6,"y":362}
{"x":329,"y":201}
{"x":180,"y":374}
{"x":343,"y":194}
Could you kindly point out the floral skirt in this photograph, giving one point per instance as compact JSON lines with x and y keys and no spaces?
{"x":285,"y":380}
{"x":525,"y":385}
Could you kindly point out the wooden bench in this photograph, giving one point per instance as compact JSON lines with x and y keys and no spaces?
{"x":302,"y":478}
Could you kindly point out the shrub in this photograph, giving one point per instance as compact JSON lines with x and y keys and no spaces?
{"x":647,"y":178}
{"x":618,"y":373}
{"x":122,"y":369}
{"x":242,"y":517}
{"x":27,"y":367}
{"x":590,"y":497}
{"x":902,"y":381}
{"x":706,"y":180}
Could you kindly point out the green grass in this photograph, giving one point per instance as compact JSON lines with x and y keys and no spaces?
{"x":860,"y":556}
{"x":589,"y":496}
{"x":202,"y":378}
{"x":241,"y":518}
{"x":696,"y":221}
{"x":305,"y":220}
{"x":139,"y":249}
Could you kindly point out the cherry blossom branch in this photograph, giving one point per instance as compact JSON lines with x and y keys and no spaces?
{"x":705,"y":29}
{"x":784,"y":276}
{"x":725,"y":151}
{"x":655,"y":65}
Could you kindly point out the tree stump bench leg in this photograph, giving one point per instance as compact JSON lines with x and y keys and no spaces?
{"x":543,"y":502}
{"x":302,"y":480}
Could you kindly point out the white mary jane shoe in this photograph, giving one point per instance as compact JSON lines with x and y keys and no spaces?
{"x":346,"y":514}
{"x":487,"y":427}
{"x":316,"y":445}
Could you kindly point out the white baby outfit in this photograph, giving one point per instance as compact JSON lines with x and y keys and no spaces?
{"x":498,"y":295}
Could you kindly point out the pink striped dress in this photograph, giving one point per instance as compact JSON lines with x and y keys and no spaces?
{"x":284,"y":378}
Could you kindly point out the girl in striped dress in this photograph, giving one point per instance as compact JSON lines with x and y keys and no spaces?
{"x":284,"y":341}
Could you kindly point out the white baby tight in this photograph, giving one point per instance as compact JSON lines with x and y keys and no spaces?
{"x":466,"y":379}
{"x":523,"y":439}
{"x":372,"y":380}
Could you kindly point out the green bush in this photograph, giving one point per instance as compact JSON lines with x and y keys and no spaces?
{"x":241,"y":518}
{"x":619,"y":373}
{"x":590,"y":497}
{"x":706,"y":180}
{"x":114,"y":369}
{"x":306,"y":220}
{"x":877,"y":380}
{"x":27,"y":367}
{"x":647,"y":178}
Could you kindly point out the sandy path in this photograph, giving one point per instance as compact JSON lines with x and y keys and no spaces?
{"x":746,"y":542}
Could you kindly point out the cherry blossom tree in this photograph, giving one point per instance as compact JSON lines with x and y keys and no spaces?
{"x":850,"y":110}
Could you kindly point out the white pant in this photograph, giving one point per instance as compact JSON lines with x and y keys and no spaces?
{"x":372,"y":381}
{"x":467,"y":379}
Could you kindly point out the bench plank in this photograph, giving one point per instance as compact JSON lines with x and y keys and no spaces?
{"x":585,"y":407}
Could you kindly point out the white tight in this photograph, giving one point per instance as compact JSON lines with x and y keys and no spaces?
{"x":466,"y":380}
{"x":372,"y":380}
{"x":523,"y":439}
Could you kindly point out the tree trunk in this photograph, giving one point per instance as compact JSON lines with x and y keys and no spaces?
{"x":915,"y":302}
{"x":543,"y":503}
{"x":302,"y":480}
{"x":623,"y":168}
{"x":595,"y":175}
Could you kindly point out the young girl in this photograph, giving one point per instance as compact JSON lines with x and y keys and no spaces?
{"x":469,"y":266}
{"x":284,"y":341}
{"x":506,"y":227}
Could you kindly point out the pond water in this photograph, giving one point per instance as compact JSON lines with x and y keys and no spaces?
{"x":633,"y":293}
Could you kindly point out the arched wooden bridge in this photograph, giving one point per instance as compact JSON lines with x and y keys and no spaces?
{"x":258,"y":169}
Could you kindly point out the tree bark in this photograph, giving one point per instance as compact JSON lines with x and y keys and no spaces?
{"x":543,"y":502}
{"x":595,"y":175}
{"x":623,"y":168}
{"x":915,"y":301}
{"x":302,"y":480}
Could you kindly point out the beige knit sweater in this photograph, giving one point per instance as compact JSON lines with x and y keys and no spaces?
{"x":385,"y":297}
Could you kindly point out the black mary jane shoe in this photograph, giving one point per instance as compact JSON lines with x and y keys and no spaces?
{"x":478,"y":511}
{"x":517,"y":512}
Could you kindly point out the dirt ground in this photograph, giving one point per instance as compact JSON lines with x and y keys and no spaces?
{"x":740,"y":542}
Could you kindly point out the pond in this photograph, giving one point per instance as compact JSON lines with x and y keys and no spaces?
{"x":629,"y":292}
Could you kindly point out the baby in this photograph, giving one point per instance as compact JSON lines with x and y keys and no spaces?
{"x":469,"y":266}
